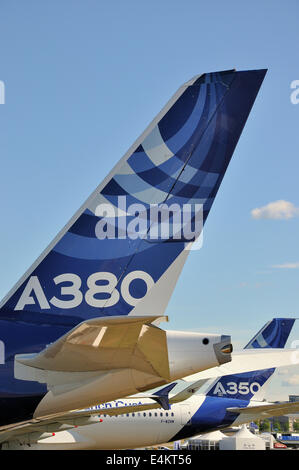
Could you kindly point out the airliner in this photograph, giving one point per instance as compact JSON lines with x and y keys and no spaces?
{"x":81,"y":325}
{"x":229,"y":400}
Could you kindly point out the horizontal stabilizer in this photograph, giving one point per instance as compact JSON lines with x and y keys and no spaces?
{"x":104,"y":344}
{"x":187,"y":392}
{"x":266,"y":411}
{"x":249,"y":360}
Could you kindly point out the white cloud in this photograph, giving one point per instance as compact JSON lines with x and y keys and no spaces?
{"x":276,"y":210}
{"x":286,"y":266}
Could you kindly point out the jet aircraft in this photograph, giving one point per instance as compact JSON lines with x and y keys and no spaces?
{"x":81,"y":325}
{"x":234,"y":395}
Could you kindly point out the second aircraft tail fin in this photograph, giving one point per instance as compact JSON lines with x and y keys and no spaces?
{"x":249,"y":385}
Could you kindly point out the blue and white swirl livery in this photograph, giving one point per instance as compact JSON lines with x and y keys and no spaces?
{"x":103,"y":264}
{"x":122,"y":252}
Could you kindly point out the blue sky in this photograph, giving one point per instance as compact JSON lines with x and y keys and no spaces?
{"x":82,"y":81}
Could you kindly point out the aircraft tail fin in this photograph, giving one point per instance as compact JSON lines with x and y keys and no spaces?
{"x":122,"y":247}
{"x":161,"y":396}
{"x":249,"y":385}
{"x":274,"y":334}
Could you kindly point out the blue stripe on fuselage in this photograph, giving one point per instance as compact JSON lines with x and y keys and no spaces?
{"x":210,"y":416}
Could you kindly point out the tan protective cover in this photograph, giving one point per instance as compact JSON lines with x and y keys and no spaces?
{"x":104,"y":344}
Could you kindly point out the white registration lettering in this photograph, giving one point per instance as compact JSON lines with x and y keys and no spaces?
{"x":125,"y":292}
{"x":233,"y":388}
{"x":107,"y":288}
{"x":72,"y":290}
{"x":104,"y":283}
{"x":33,"y":285}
